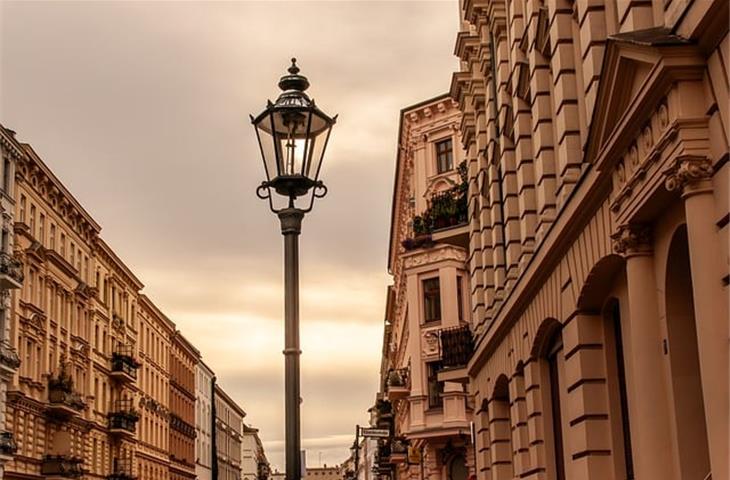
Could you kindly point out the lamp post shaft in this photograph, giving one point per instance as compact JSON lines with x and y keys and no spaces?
{"x":291,"y":226}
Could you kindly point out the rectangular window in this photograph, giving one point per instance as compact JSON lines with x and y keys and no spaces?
{"x":42,"y":229}
{"x":32,"y":219}
{"x":444,"y":156}
{"x":22,"y":208}
{"x":63,"y":245}
{"x":435,"y":388}
{"x":7,"y":177}
{"x":431,"y":300}
{"x":52,"y":242}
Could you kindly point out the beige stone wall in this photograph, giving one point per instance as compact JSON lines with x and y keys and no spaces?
{"x":598,"y":248}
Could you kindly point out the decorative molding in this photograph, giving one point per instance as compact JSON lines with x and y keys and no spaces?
{"x":687,"y":170}
{"x":632,"y":238}
{"x":433,"y":255}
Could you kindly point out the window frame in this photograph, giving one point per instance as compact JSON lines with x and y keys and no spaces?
{"x":446,"y":153}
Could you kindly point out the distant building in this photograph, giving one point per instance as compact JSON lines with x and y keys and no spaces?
{"x":203,"y":421}
{"x":228,"y":432}
{"x":254,"y":465}
{"x":323,"y":473}
{"x":183,"y":361}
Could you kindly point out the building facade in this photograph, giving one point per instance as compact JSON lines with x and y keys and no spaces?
{"x":254,"y":465}
{"x":11,"y":278}
{"x":228,"y":435}
{"x":596,"y":139}
{"x":98,"y":381}
{"x":153,"y":450}
{"x":428,"y":252}
{"x":184,"y":358}
{"x":204,"y":421}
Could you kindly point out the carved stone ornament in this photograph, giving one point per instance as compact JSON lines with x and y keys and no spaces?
{"x":687,"y":170}
{"x":430,"y":343}
{"x":632,"y":238}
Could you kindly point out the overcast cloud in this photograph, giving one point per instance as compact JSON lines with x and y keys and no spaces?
{"x":141,"y":109}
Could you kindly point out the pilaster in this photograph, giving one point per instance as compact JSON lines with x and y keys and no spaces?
{"x":691,"y":176}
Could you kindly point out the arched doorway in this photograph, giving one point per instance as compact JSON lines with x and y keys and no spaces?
{"x":457,"y":468}
{"x":684,"y":361}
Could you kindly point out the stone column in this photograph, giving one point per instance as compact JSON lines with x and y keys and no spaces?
{"x":648,"y":392}
{"x":692,"y":176}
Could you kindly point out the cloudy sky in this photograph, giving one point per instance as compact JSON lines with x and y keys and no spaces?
{"x":141,"y":109}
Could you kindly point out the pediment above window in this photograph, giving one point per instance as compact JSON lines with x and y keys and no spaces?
{"x":639,"y":69}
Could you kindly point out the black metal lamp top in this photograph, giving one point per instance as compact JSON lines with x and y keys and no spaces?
{"x":293,"y":134}
{"x":294,"y":81}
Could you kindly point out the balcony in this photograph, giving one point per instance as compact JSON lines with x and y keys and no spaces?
{"x":122,"y":470}
{"x":398,"y":384}
{"x":63,"y":401}
{"x":123,"y":418}
{"x":457,"y":347}
{"x":9,"y":360}
{"x":123,"y":365}
{"x":399,"y":450}
{"x":11,"y":272}
{"x":446,"y":218}
{"x":382,"y":414}
{"x":8,"y":447}
{"x":62,"y":466}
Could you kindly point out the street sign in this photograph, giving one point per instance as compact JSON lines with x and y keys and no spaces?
{"x":375,"y":432}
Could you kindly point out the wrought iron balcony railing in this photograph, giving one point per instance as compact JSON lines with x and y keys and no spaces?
{"x":123,"y":363}
{"x":122,"y":470}
{"x":123,"y":417}
{"x":11,"y":271}
{"x":9,"y":356}
{"x":63,"y":466}
{"x":7,"y":444}
{"x":62,"y":400}
{"x":457,"y":346}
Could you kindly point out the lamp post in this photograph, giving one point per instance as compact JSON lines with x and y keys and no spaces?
{"x":292,"y":134}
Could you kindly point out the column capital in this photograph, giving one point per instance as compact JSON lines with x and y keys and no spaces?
{"x":687,"y":171}
{"x":633,"y":239}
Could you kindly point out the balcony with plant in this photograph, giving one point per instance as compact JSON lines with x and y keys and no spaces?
{"x":11,"y":271}
{"x":446,"y":210}
{"x":9,"y":359}
{"x":63,"y":400}
{"x":398,"y":383}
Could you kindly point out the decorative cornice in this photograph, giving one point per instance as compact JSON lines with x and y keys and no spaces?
{"x":686,"y":171}
{"x":632,"y":239}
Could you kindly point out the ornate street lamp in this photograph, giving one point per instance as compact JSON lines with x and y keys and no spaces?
{"x":292,"y":134}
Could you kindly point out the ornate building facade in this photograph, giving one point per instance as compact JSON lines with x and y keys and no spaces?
{"x":428,"y":418}
{"x":11,"y":278}
{"x":99,"y":383}
{"x":204,"y":421}
{"x":596,"y":136}
{"x":157,"y":331}
{"x":184,"y":358}
{"x":228,"y":435}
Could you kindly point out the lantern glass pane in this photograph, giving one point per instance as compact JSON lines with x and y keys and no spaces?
{"x":290,"y":129}
{"x":268,"y":150}
{"x":317,"y":146}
